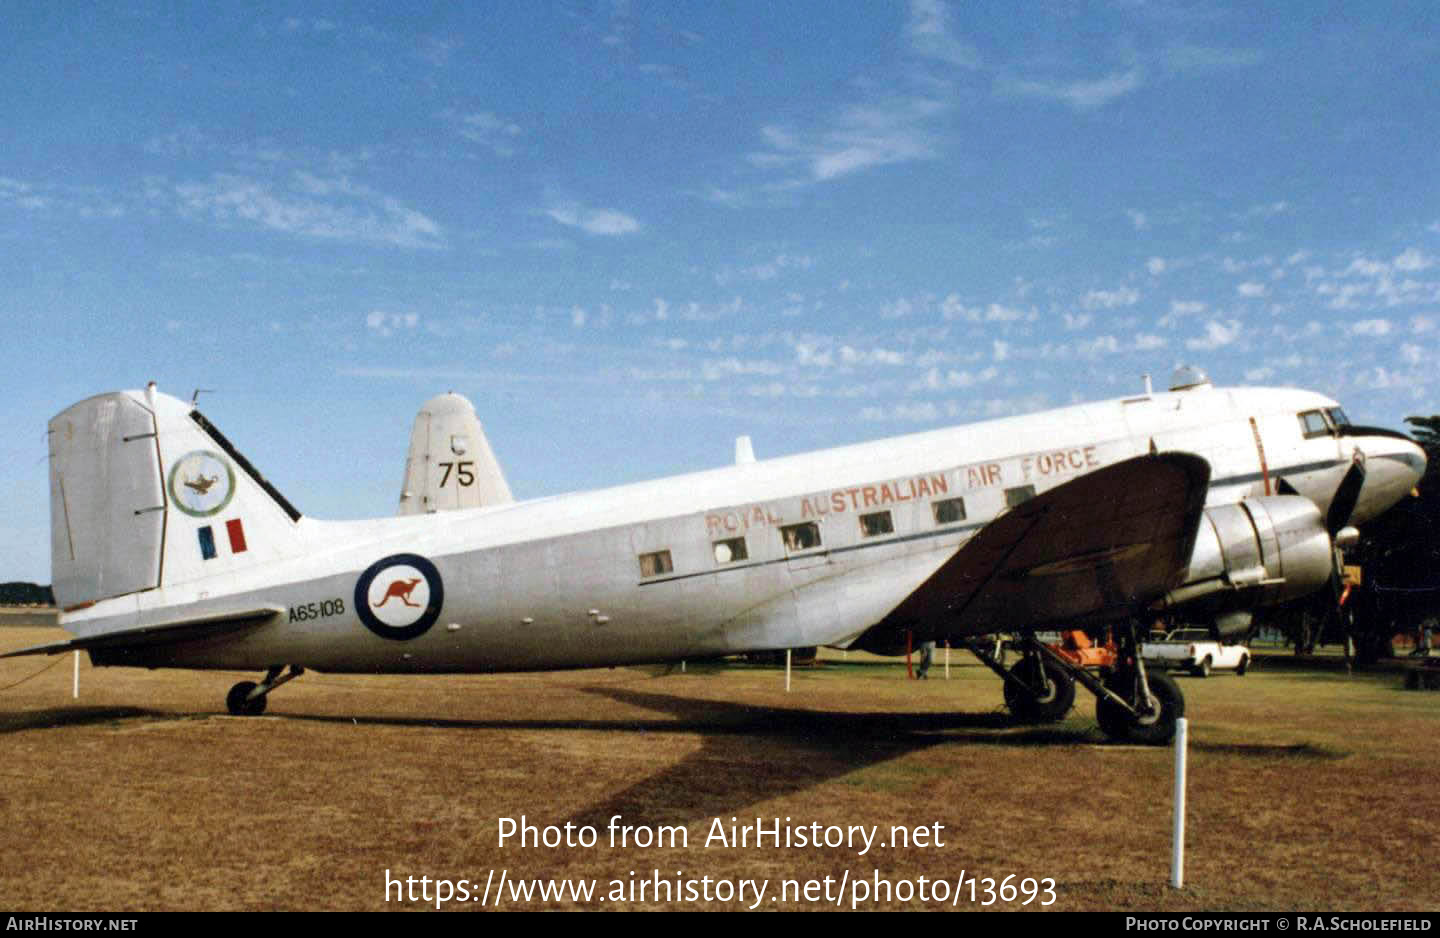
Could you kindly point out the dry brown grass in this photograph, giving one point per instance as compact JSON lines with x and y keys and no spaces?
{"x":1308,"y":791}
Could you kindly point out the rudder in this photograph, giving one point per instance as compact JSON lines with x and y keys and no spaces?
{"x":146,"y":493}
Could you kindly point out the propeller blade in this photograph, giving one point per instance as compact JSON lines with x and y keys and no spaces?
{"x":1347,"y":494}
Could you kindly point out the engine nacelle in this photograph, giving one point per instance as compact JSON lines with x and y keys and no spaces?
{"x":1261,"y":552}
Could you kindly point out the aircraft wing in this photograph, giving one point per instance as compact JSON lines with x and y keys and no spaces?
{"x":1096,"y":548}
{"x":162,"y":633}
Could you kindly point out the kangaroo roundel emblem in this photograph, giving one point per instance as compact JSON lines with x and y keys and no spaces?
{"x":399,"y":597}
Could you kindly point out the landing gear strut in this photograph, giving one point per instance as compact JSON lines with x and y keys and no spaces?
{"x":1130,"y":704}
{"x":1137,"y":706}
{"x":247,"y":699}
{"x":1038,"y":689}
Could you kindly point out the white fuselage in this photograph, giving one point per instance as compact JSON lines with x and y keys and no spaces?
{"x":580,"y":580}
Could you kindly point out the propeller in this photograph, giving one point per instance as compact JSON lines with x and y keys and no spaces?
{"x":1342,"y":506}
{"x":1347,"y":495}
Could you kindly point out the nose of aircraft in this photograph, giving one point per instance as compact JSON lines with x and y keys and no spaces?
{"x":1394,"y":464}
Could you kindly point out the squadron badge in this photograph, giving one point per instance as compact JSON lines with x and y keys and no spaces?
{"x":201,"y":483}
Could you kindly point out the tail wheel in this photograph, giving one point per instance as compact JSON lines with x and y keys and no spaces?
{"x":1154,"y":725}
{"x":1047,"y":707}
{"x":237,"y":703}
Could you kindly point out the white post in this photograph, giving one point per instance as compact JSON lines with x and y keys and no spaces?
{"x":947,"y":660}
{"x":1177,"y":855}
{"x":787,"y":670}
{"x":682,"y":665}
{"x":75,"y":689}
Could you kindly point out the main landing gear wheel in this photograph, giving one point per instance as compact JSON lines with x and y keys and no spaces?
{"x":239,"y":705}
{"x":1152,"y":724}
{"x":1202,"y":669}
{"x":1038,"y":702}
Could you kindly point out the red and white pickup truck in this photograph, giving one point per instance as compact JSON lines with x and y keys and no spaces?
{"x":1195,"y":651}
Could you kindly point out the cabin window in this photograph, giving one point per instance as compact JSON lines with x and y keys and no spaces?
{"x":1019,"y":495}
{"x":949,"y":511}
{"x":877,"y":524}
{"x":1337,"y":417}
{"x":801,"y":536}
{"x":731,"y":551}
{"x":656,"y":563}
{"x":1312,"y":424}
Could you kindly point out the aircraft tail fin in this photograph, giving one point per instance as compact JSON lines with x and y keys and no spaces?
{"x":450,"y":464}
{"x":147,"y":493}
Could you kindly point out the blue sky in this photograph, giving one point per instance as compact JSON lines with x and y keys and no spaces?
{"x":630,"y":232}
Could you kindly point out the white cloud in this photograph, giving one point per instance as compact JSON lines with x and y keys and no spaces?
{"x":1267,"y":210}
{"x":952,"y":308}
{"x":1413,"y":260}
{"x":860,"y":138}
{"x":1188,"y":58}
{"x":1371,"y":327}
{"x":594,"y":221}
{"x":1111,"y":299}
{"x":486,"y":129}
{"x":809,"y":354}
{"x":771,"y":269}
{"x":312,"y":206}
{"x":951,"y":379}
{"x":1251,"y":289}
{"x":1139,"y":219}
{"x":925,"y":412}
{"x":896,"y":310}
{"x":716,"y":369}
{"x":875,"y":356}
{"x":1101,"y":345}
{"x":384,"y":324}
{"x":1364,"y":267}
{"x":1156,"y":266}
{"x":1080,"y":95}
{"x":928,"y":29}
{"x":1217,"y":335}
{"x":1380,"y":379}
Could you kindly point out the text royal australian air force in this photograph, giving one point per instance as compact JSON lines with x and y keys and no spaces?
{"x":1039,"y":469}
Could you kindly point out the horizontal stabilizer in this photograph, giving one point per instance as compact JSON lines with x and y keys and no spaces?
{"x":1094,"y":549}
{"x":161,"y":633}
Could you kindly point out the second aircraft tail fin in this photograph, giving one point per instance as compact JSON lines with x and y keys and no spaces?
{"x":450,"y":464}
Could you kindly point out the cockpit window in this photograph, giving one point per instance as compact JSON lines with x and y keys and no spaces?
{"x":1337,"y":417}
{"x":1312,"y":424}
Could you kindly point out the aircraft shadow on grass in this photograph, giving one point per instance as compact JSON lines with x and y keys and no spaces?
{"x":750,"y":754}
{"x":58,"y":717}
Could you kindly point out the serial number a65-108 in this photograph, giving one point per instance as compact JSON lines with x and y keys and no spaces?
{"x":319,"y":610}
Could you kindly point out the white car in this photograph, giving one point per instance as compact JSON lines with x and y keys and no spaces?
{"x":1195,"y":651}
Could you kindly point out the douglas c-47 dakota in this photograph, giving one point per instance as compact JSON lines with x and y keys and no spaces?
{"x":170,"y":550}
